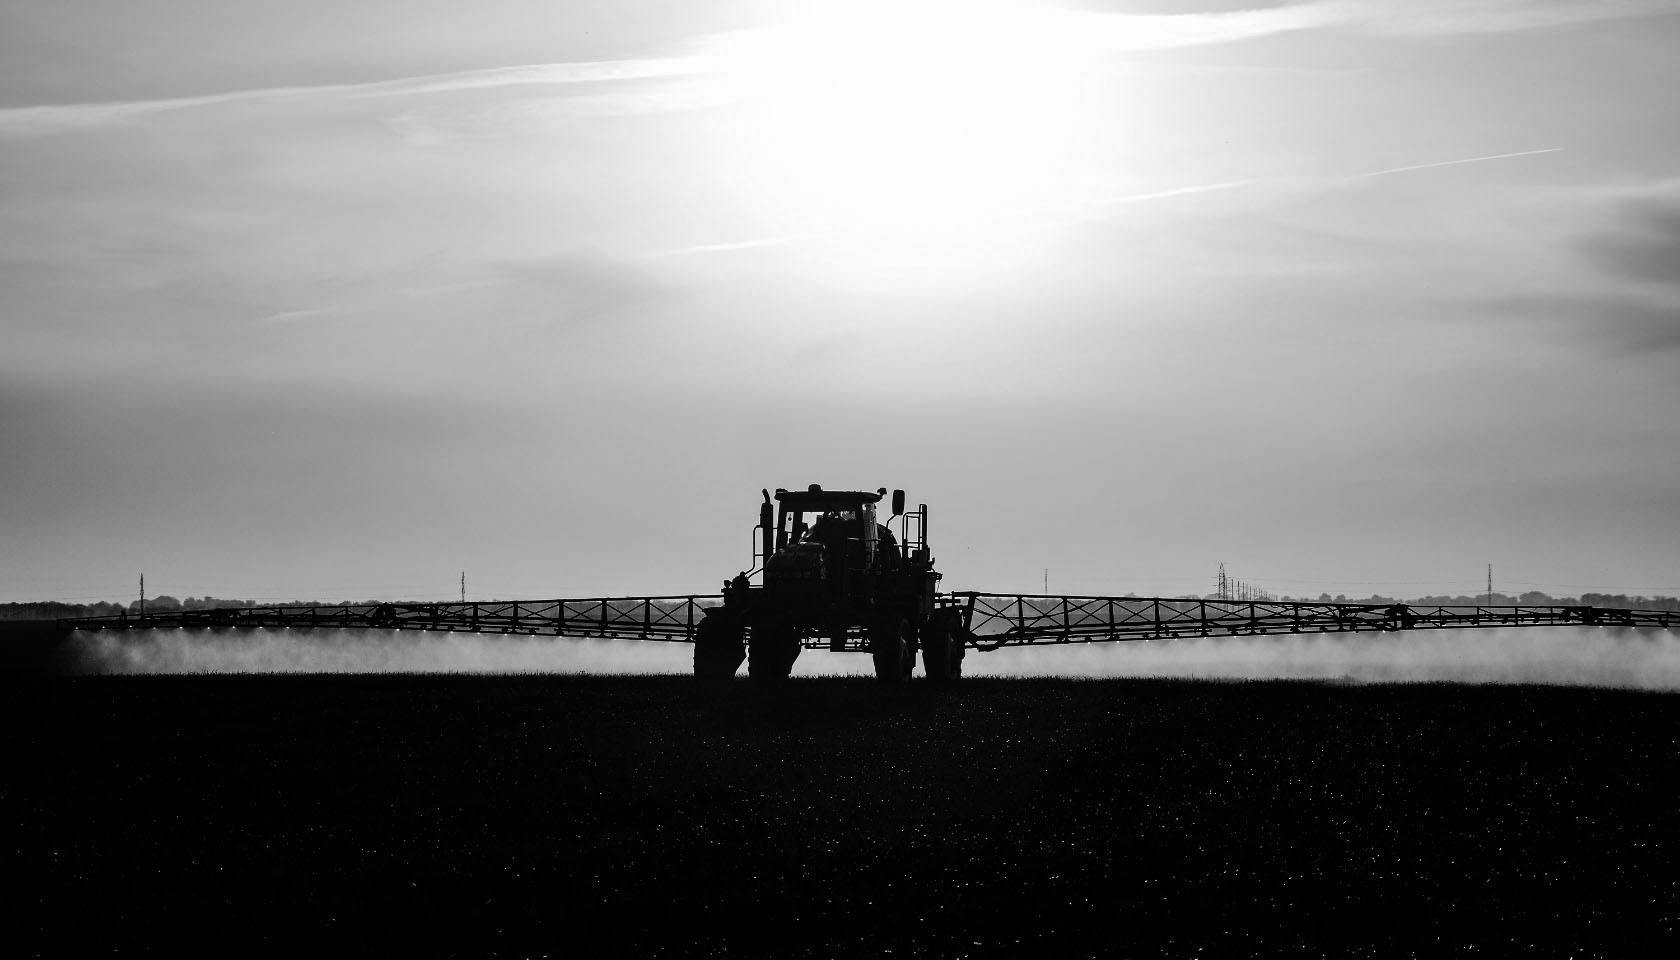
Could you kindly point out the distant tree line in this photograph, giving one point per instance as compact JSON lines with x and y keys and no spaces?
{"x":1533,"y":598}
{"x":55,"y":610}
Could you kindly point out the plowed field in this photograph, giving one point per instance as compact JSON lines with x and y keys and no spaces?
{"x":437,"y":815}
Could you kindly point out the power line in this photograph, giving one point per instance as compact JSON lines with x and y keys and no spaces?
{"x":1229,"y":589}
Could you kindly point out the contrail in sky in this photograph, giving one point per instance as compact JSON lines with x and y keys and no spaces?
{"x":790,"y":238}
{"x":60,"y":118}
{"x":775,"y":241}
{"x":731,"y":245}
{"x":1453,"y":163}
{"x":1178,"y":191}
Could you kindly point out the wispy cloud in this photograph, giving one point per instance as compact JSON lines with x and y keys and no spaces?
{"x":1486,"y":16}
{"x":1645,"y":246}
{"x":1638,"y":251}
{"x":1127,"y":31}
{"x":24,"y":122}
{"x":1088,"y":30}
{"x":1123,"y":31}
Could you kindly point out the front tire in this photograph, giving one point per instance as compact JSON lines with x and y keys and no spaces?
{"x":772,"y":650}
{"x":718,"y":651}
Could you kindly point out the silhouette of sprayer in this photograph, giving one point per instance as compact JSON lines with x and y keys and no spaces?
{"x":841,"y":580}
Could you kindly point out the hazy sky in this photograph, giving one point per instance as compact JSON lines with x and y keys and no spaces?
{"x":335,"y":299}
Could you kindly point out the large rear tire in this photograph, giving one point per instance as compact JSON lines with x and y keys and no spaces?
{"x":718,"y":651}
{"x":772,"y":650}
{"x":894,"y":650}
{"x":942,"y":650}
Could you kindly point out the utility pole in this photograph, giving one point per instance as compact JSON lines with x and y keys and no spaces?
{"x":1490,"y":585}
{"x":463,"y":586}
{"x":142,"y":594}
{"x":1046,"y":581}
{"x":1223,"y":585}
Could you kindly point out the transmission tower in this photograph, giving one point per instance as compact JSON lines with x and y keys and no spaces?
{"x":1227,"y":587}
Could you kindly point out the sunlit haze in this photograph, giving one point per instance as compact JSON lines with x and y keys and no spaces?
{"x":339,"y":300}
{"x":1558,"y":656}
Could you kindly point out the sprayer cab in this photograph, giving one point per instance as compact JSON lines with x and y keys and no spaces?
{"x":832,"y":572}
{"x":842,"y":523}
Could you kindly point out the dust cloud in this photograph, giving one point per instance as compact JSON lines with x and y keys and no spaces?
{"x":1605,"y":657}
{"x":366,"y":651}
{"x":1553,"y":655}
{"x":179,"y":651}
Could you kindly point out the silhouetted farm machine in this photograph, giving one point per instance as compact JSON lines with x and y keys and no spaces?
{"x":834,"y":577}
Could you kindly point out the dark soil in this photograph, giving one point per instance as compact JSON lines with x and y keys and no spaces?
{"x":570,"y":816}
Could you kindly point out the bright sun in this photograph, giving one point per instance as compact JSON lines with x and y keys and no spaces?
{"x":905,"y":137}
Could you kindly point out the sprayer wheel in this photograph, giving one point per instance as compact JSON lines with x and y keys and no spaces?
{"x":771,"y":652}
{"x":937,"y":659}
{"x":717,"y":649}
{"x":890,"y":645}
{"x":943,"y":649}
